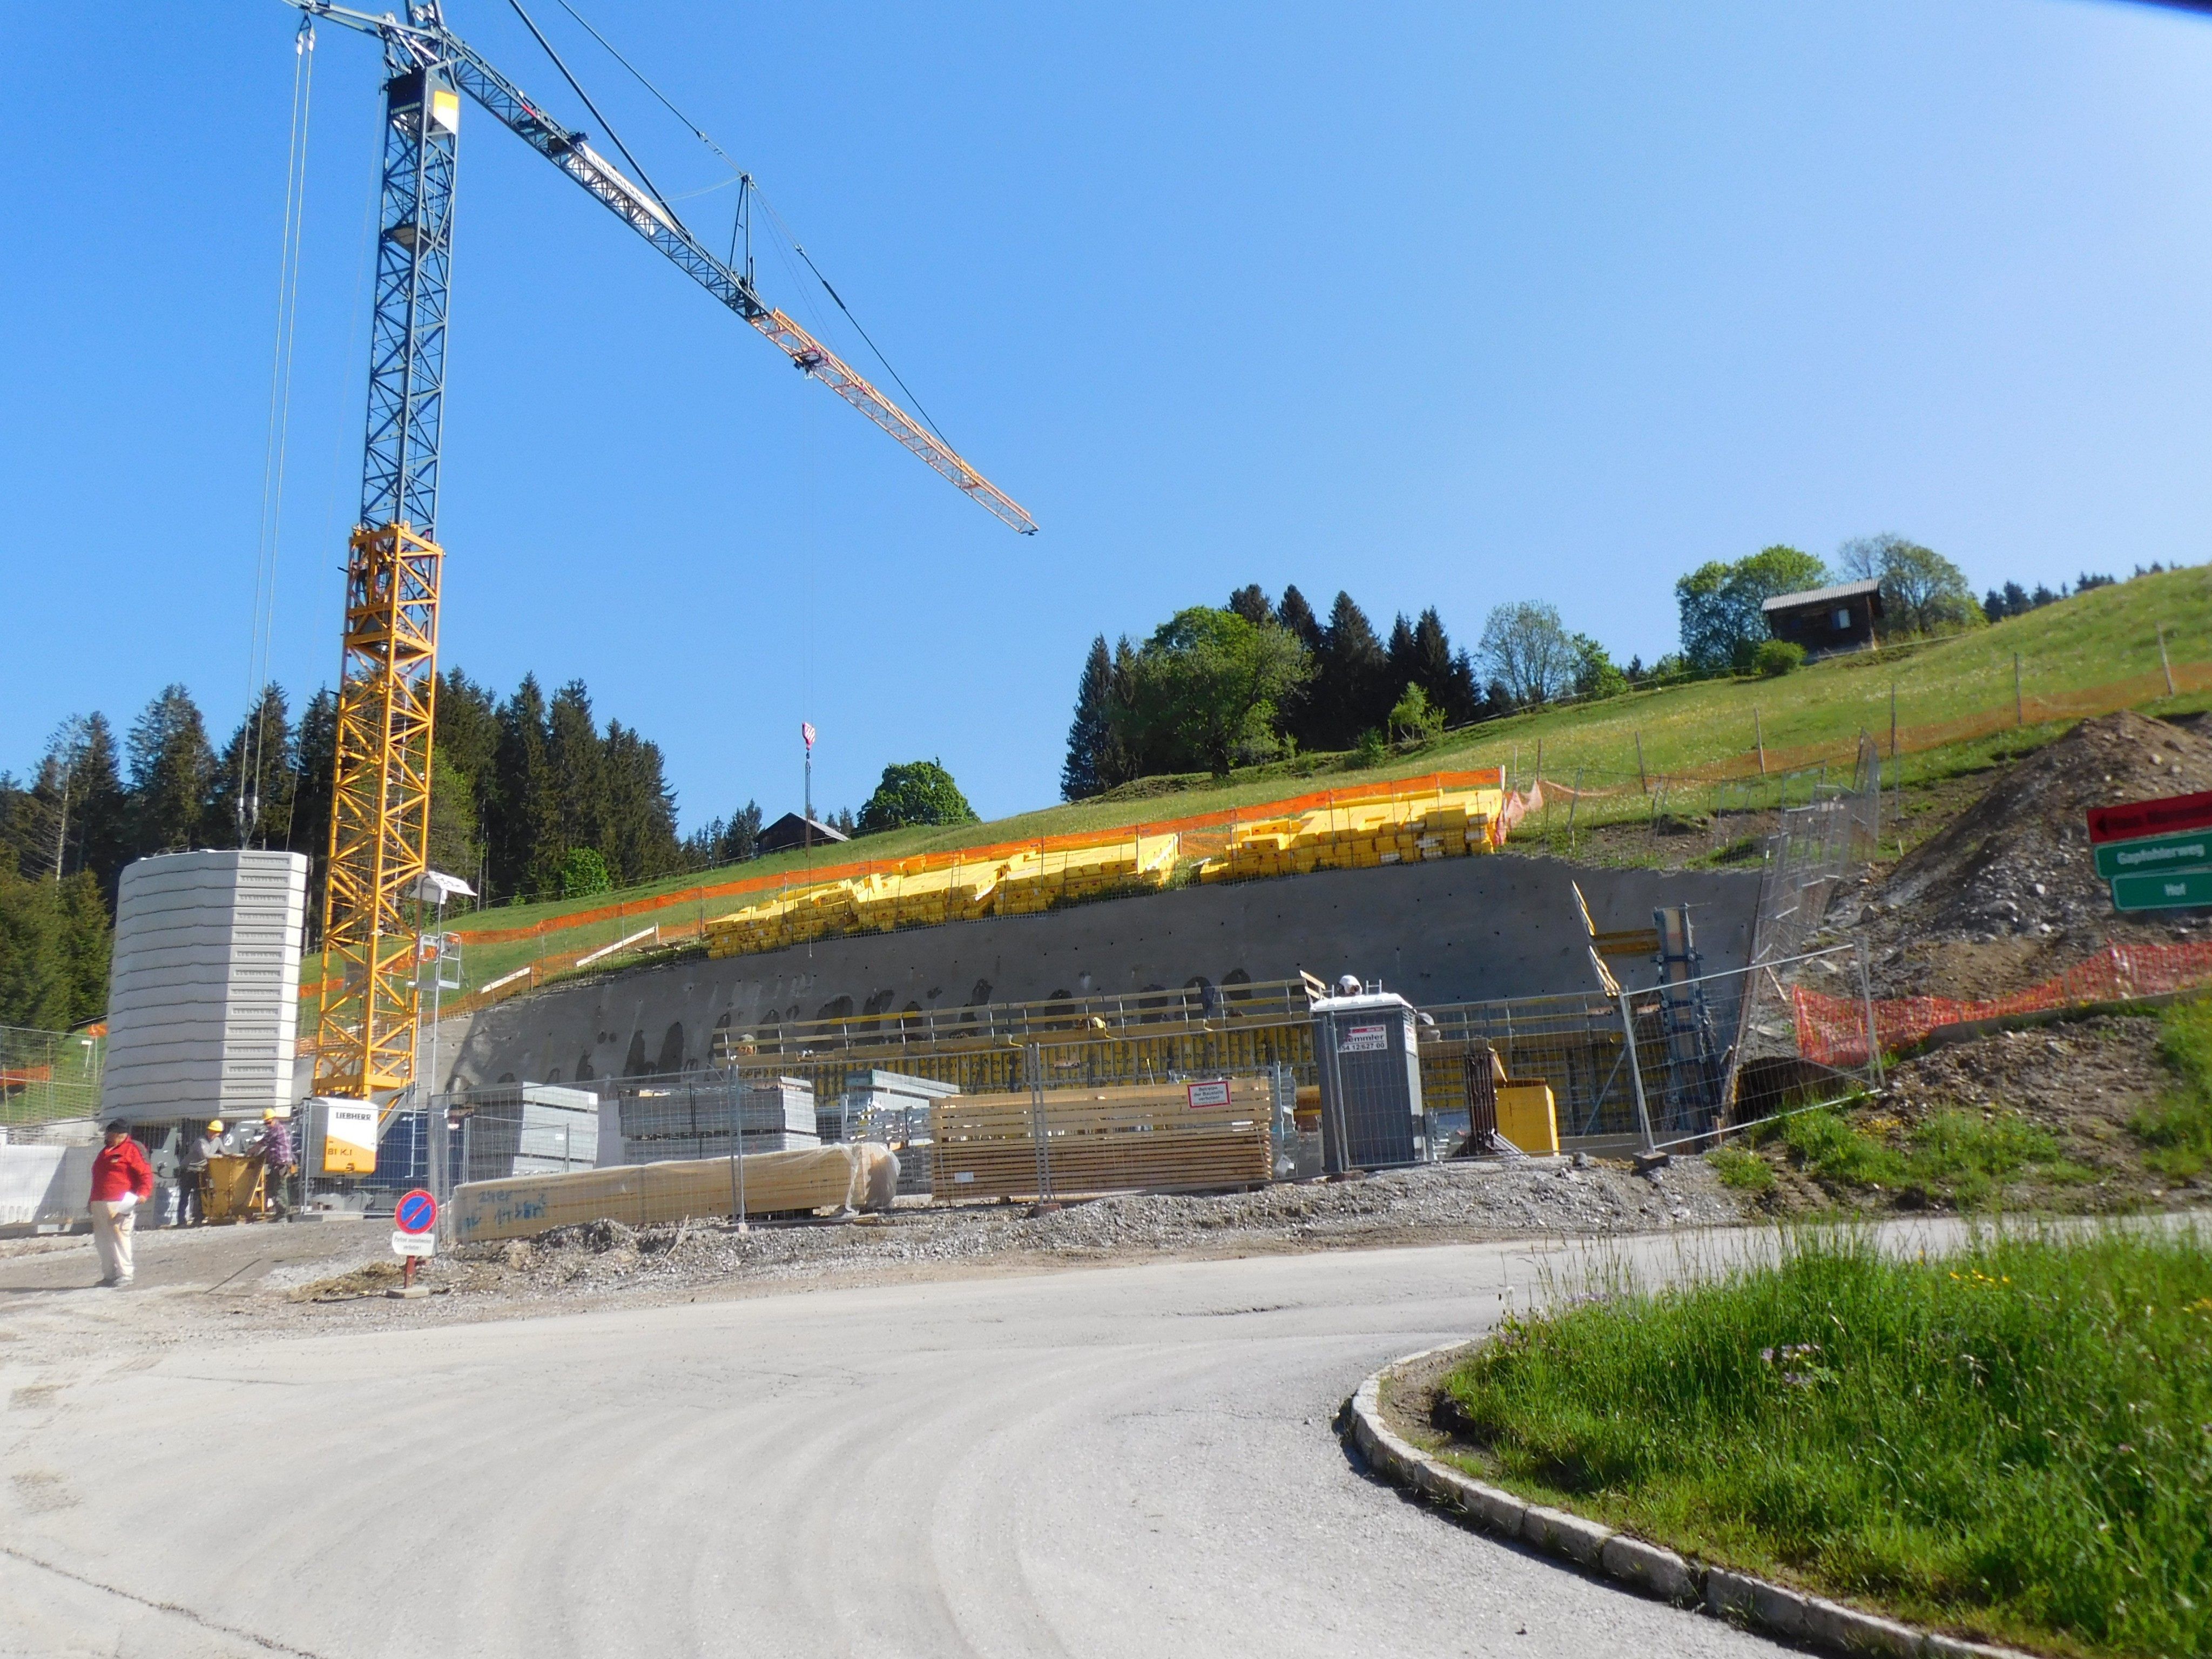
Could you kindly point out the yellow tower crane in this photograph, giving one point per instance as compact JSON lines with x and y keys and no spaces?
{"x":387,"y":690}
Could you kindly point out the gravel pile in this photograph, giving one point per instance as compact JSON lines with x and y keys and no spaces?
{"x":2007,"y":894}
{"x":1438,"y":1204}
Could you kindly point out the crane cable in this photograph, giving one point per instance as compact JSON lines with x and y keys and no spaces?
{"x":577,"y":87}
{"x":728,"y":161}
{"x":254,"y":738}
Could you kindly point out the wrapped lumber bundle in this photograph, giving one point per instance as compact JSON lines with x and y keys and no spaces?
{"x":640,"y":1194}
{"x":1144,"y":1138}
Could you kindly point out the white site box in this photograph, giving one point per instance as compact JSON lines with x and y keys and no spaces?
{"x":204,"y":991}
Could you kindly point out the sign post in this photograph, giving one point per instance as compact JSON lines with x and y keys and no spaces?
{"x":2157,"y":855}
{"x":414,"y":1234}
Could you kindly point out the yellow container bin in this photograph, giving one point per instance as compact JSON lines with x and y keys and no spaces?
{"x":1526,"y":1117}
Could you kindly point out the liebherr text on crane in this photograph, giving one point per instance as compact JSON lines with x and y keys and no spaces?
{"x":387,"y":690}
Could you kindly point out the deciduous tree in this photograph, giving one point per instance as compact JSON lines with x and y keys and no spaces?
{"x":916,"y":792}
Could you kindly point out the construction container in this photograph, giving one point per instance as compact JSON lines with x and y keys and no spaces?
{"x":1367,"y":1047}
{"x":1527,"y":1118}
{"x":203,"y":990}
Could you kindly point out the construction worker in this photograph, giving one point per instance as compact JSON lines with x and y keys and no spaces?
{"x":122,"y":1179}
{"x":199,"y":1147}
{"x":274,"y":1149}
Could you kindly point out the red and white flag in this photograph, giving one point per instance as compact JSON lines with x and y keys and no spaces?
{"x":806,"y":730}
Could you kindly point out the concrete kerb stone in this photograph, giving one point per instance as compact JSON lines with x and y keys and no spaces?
{"x":1774,"y":1609}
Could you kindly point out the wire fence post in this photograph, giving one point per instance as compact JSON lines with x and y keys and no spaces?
{"x":1866,"y":1004}
{"x":1636,"y":1073}
{"x":2165,"y":667}
{"x":2019,"y":701}
{"x":1037,"y":1131}
{"x":735,"y":1094}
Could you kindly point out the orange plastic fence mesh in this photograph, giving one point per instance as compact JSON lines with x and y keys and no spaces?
{"x":1832,"y":1031}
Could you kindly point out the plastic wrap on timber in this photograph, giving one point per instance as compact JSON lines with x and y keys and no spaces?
{"x":1146,"y":1139}
{"x":640,"y":1195}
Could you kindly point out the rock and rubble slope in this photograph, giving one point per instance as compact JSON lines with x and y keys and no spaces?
{"x":2007,"y":895}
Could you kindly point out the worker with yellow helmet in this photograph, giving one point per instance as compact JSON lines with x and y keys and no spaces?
{"x":200,"y":1145}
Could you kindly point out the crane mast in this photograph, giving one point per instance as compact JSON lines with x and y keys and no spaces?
{"x":388,"y":684}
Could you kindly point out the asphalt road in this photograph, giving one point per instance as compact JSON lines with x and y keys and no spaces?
{"x":1124,"y":1461}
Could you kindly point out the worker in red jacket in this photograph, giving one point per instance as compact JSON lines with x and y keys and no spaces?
{"x":121,"y":1181}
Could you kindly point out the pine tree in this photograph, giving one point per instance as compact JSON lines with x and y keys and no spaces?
{"x":172,"y":767}
{"x":1426,"y":659}
{"x":468,"y":731}
{"x":87,"y":943}
{"x":34,"y":981}
{"x":639,"y":812}
{"x":741,"y":839}
{"x":1121,"y":761}
{"x":1251,"y":602}
{"x":454,"y":839}
{"x":1091,"y":733}
{"x":1295,"y":613}
{"x":101,"y":809}
{"x":315,"y":754}
{"x":261,"y":755}
{"x":578,"y":762}
{"x":1352,"y":680}
{"x":519,"y":835}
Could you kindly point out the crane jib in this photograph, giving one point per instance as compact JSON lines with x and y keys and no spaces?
{"x":434,"y":46}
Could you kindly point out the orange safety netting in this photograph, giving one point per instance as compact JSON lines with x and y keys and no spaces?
{"x":1832,"y":1030}
{"x":1204,"y":834}
{"x":1400,"y":789}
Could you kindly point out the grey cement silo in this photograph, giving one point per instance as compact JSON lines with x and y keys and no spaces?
{"x":203,"y":996}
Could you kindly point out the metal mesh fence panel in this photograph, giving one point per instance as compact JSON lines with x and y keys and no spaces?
{"x":46,"y":1075}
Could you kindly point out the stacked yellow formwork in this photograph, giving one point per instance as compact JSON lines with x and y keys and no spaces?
{"x":1363,"y":836}
{"x":1036,"y":882}
{"x":920,"y":899}
{"x":1445,"y":821}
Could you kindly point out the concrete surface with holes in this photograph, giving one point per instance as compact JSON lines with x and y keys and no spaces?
{"x":1126,"y":1460}
{"x":1454,"y":930}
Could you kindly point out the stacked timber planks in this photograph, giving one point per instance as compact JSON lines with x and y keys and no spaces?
{"x":1144,"y":1138}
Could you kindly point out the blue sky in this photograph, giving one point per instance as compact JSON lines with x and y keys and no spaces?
{"x":1450,"y":305}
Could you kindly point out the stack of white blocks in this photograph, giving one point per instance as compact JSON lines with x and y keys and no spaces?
{"x":203,"y":995}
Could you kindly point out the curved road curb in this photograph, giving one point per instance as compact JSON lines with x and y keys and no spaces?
{"x":1773,"y":1609}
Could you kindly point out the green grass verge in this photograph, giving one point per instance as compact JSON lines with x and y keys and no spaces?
{"x":2015,"y":1441}
{"x":1745,"y":1172}
{"x":1959,"y":1158}
{"x":2177,"y":1131}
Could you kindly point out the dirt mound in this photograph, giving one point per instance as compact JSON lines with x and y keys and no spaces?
{"x":2008,"y":893}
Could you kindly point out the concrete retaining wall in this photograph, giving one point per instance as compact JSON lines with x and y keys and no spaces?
{"x":1452,"y":931}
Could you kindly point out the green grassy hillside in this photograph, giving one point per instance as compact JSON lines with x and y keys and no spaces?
{"x":2105,"y":637}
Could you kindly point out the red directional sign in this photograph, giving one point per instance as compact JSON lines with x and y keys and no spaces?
{"x":415,"y":1214}
{"x":2131,"y":820}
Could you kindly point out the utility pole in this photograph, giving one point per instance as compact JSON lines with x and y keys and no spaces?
{"x":806,"y":806}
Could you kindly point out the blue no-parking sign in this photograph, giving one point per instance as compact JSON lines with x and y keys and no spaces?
{"x":415,"y":1213}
